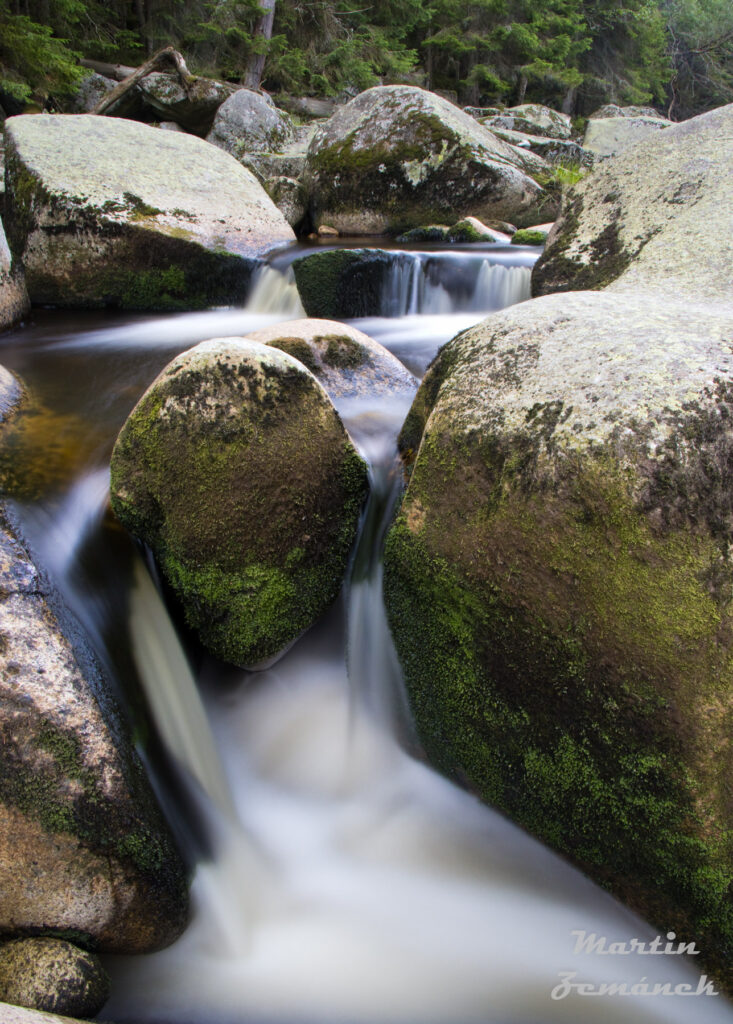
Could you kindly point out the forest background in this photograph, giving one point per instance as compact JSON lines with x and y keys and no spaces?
{"x":573,"y":55}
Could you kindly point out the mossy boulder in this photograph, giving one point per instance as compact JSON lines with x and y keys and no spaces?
{"x":236,"y":470}
{"x":650,"y":217}
{"x":533,"y":119}
{"x":177,"y":224}
{"x":606,"y":136}
{"x":14,"y":302}
{"x":397,"y":157}
{"x":83,"y":845}
{"x":248,"y":122}
{"x":52,"y":975}
{"x":426,"y":233}
{"x":558,"y":584}
{"x":471,"y":229}
{"x":193,"y":108}
{"x":347,"y":362}
{"x":530,"y":236}
{"x":340,"y":284}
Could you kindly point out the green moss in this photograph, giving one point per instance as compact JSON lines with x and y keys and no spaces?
{"x":138,"y":208}
{"x":464,"y":231}
{"x":342,"y":352}
{"x":525,"y":236}
{"x":571,"y":653}
{"x":430,"y":233}
{"x":300,"y":350}
{"x":342,"y":283}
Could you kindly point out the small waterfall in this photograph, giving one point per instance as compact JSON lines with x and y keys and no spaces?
{"x":275,"y":291}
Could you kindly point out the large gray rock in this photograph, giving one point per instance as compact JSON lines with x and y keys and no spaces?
{"x":533,"y":119}
{"x":14,"y":302}
{"x":53,"y":975}
{"x":554,"y":151}
{"x":74,"y":800}
{"x":249,"y":122}
{"x":396,"y":157}
{"x":347,"y":362}
{"x":236,"y":470}
{"x":193,"y":108}
{"x":91,"y":90}
{"x":176,"y":224}
{"x":606,"y":136}
{"x":657,"y":216}
{"x":558,"y":579}
{"x":612,"y":110}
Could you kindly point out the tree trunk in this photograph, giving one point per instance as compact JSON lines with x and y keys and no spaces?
{"x":523,"y":83}
{"x":117,"y":71}
{"x":568,"y":104}
{"x":156,"y":61}
{"x":262,"y":35}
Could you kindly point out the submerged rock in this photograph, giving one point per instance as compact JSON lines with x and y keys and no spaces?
{"x":177,"y":224}
{"x":248,"y":122}
{"x":74,"y":800}
{"x":14,"y":302}
{"x":236,"y":470}
{"x":53,"y":975}
{"x":650,"y":217}
{"x":396,"y":157}
{"x":347,"y":362}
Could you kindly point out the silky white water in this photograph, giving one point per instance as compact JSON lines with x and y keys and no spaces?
{"x":347,"y":881}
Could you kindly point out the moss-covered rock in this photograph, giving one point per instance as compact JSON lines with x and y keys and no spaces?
{"x":558,"y":584}
{"x":236,"y":470}
{"x":426,"y":233}
{"x":177,"y":224}
{"x":530,"y":236}
{"x":396,"y":157}
{"x":339,"y":284}
{"x":650,"y":217}
{"x":53,"y":975}
{"x":347,"y":362}
{"x":83,"y":846}
{"x":471,"y":229}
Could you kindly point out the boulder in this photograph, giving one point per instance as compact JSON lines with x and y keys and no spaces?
{"x":289,"y":197}
{"x":176,"y":224}
{"x":194,"y":109}
{"x":84,"y":849}
{"x":347,"y":362}
{"x":396,"y":157}
{"x":307,"y":106}
{"x":607,"y":136}
{"x":91,"y":90}
{"x":471,"y":229}
{"x":14,"y":302}
{"x":558,"y":587}
{"x":21,"y":1015}
{"x":339,"y":284}
{"x":52,"y":975}
{"x":653,"y":216}
{"x":534,"y":119}
{"x":612,"y":110}
{"x":536,"y":235}
{"x":248,"y":122}
{"x":236,"y":470}
{"x":554,"y":151}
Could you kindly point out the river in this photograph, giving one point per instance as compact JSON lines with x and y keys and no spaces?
{"x":338,"y":878}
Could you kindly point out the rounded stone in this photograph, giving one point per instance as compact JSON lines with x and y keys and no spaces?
{"x":52,"y":975}
{"x":236,"y":470}
{"x":248,"y":122}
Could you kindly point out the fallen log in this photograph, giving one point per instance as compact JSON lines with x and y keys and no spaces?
{"x":117,"y":71}
{"x":167,"y":55}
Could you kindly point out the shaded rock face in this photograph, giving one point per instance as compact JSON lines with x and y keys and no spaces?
{"x":289,"y":197}
{"x":14,"y":302}
{"x":396,"y":157}
{"x":175,"y":225}
{"x":559,"y":587}
{"x":91,"y":91}
{"x":340,"y":284}
{"x":651,"y":216}
{"x":74,"y":801}
{"x":533,"y":119}
{"x":248,"y":122}
{"x":53,"y":975}
{"x":607,"y":135}
{"x":163,"y":95}
{"x":236,"y":470}
{"x":347,"y":362}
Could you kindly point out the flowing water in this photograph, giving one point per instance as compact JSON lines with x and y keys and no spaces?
{"x":338,"y":878}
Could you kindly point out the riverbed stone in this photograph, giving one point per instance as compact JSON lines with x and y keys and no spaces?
{"x":606,"y":136}
{"x":193,"y":108}
{"x":236,"y":470}
{"x":396,"y":157}
{"x":53,"y":975}
{"x":177,"y":225}
{"x":347,"y":362}
{"x":248,"y":122}
{"x":558,"y":584}
{"x":14,"y":303}
{"x":84,"y":849}
{"x":653,"y":216}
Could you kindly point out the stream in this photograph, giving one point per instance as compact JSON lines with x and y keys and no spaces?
{"x":338,"y":879}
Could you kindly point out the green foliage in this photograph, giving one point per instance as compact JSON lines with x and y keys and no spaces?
{"x":31,"y":59}
{"x":700,"y":48}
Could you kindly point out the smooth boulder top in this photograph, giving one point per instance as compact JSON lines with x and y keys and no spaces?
{"x":655,"y":217}
{"x":607,"y":136}
{"x":347,"y":362}
{"x":168,"y":182}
